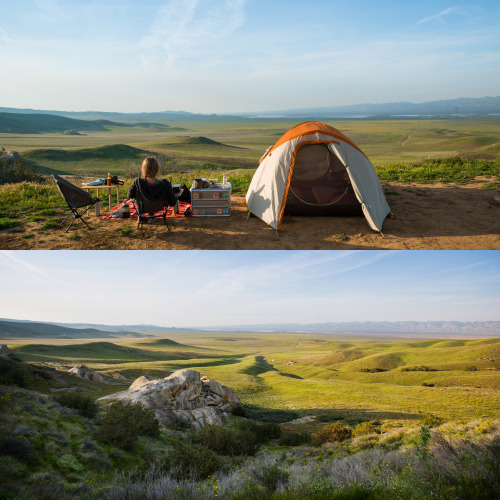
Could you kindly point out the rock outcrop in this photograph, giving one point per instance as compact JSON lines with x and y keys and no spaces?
{"x":4,"y":351}
{"x":183,"y":396}
{"x":12,"y":156}
{"x":86,"y":373}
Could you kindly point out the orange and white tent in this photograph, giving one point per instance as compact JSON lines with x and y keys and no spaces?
{"x":315,"y":169}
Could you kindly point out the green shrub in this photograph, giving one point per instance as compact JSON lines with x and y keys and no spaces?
{"x":188,"y":461}
{"x":18,"y":171}
{"x":84,"y":403}
{"x":11,"y":468}
{"x":471,"y":368}
{"x":430,"y":420}
{"x":290,"y":438}
{"x":331,"y":433}
{"x":272,"y":477}
{"x":123,"y":422}
{"x":17,"y":447}
{"x":238,"y":411}
{"x":372,"y":370}
{"x":365,"y":428}
{"x":421,"y":368}
{"x":12,"y":373}
{"x":243,"y":438}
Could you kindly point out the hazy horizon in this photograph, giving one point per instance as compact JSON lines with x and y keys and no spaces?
{"x":231,"y":56}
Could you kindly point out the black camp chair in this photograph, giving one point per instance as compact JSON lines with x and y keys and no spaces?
{"x":75,"y":198}
{"x":146,"y":209}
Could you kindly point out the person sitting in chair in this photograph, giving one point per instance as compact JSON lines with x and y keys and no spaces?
{"x":149,"y":186}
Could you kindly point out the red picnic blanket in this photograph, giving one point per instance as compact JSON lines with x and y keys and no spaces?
{"x":183,"y":207}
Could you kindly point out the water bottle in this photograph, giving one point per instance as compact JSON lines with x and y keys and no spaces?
{"x":224,"y":182}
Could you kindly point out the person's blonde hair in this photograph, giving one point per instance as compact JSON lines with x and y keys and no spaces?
{"x":150,"y":167}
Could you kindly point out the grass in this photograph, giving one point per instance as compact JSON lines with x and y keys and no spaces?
{"x":396,"y":435}
{"x":324,"y":372}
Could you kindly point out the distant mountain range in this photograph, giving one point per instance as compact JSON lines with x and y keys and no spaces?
{"x":465,"y":106}
{"x":454,"y":329}
{"x":401,"y":329}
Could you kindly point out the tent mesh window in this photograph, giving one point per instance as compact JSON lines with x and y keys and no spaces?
{"x":320,"y":184}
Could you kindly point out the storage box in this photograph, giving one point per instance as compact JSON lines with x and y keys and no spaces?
{"x":211,"y":211}
{"x":211,"y":202}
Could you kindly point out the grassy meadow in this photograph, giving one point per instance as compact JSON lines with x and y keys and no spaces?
{"x":379,"y":419}
{"x":406,"y":150}
{"x":455,"y":379}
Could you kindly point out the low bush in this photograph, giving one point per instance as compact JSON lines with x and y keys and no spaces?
{"x":290,"y":438}
{"x":471,"y":368}
{"x":421,"y":368}
{"x":188,"y":461}
{"x":18,"y":171}
{"x":244,"y":438}
{"x":272,"y":477}
{"x":365,"y":428}
{"x":336,"y":432}
{"x":238,"y":411}
{"x":84,"y":403}
{"x":17,"y":447}
{"x":123,"y":422}
{"x":372,"y":370}
{"x":431,"y":420}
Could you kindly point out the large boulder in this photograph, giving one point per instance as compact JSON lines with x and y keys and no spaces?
{"x":4,"y":351}
{"x":86,"y":373}
{"x":182,"y":397}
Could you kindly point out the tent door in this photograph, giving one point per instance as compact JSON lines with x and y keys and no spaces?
{"x":320,"y":184}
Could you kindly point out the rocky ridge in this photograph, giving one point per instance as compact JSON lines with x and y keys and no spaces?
{"x":183,"y":397}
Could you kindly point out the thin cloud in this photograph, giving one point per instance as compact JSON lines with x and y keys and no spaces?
{"x":438,"y":16}
{"x":4,"y":36}
{"x":183,"y":28}
{"x":22,"y":264}
{"x":50,"y":7}
{"x":462,"y":268}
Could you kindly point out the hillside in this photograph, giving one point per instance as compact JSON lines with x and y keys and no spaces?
{"x":38,"y":123}
{"x":20,"y":330}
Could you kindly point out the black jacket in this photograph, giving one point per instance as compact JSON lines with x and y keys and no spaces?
{"x":160,"y":190}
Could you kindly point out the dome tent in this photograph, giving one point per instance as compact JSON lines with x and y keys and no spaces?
{"x":314,"y":169}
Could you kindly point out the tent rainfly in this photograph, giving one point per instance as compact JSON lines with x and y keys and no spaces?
{"x":314,"y":169}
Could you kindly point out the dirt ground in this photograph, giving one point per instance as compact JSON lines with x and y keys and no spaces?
{"x":427,"y":217}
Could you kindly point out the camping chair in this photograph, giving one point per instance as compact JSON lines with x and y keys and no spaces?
{"x":75,"y":198}
{"x":146,"y":209}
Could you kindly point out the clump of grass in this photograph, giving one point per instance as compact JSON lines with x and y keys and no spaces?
{"x":50,"y":224}
{"x":75,"y":237}
{"x":47,"y":211}
{"x":126,"y":231}
{"x":34,"y":218}
{"x":341,"y":237}
{"x":7,"y":223}
{"x":452,"y":169}
{"x":26,"y":236}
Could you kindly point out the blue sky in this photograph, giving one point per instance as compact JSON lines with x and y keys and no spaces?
{"x":244,"y":55}
{"x":243,"y":287}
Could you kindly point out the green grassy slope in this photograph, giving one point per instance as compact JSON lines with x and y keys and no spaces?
{"x":18,"y":330}
{"x":312,"y":375}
